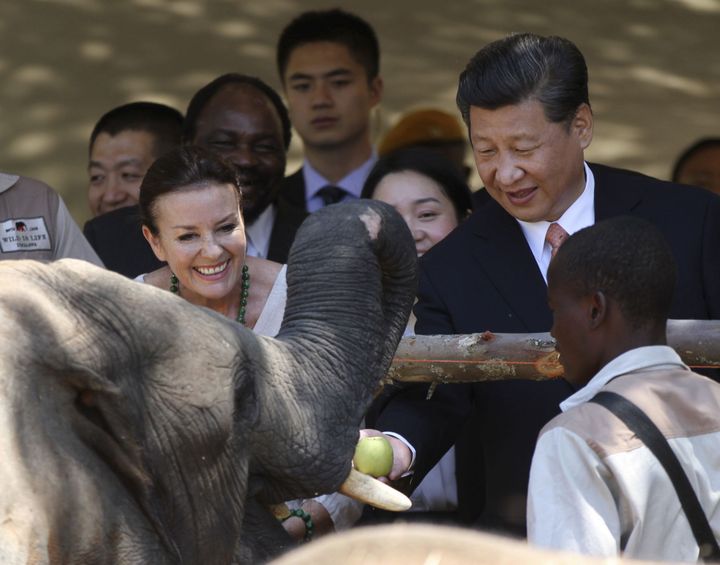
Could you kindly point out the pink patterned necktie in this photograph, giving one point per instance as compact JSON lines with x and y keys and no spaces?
{"x":555,"y":236}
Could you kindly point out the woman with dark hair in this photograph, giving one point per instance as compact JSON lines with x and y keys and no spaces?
{"x":191,"y":215}
{"x":190,"y":210}
{"x":425,"y":189}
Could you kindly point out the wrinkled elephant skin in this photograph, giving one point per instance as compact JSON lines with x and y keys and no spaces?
{"x":138,"y":428}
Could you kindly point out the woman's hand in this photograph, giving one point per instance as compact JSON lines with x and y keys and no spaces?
{"x":322,"y":522}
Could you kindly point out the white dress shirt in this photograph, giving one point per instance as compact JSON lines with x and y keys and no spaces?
{"x":258,"y":233}
{"x":579,"y":215}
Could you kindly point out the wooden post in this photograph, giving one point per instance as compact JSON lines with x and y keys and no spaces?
{"x":489,"y":356}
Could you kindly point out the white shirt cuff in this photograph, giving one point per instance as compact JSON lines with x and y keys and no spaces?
{"x":410,"y":447}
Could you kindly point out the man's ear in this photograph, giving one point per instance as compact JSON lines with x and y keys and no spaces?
{"x":582,"y":125}
{"x":597,"y":309}
{"x":376,"y":90}
{"x":154,"y":242}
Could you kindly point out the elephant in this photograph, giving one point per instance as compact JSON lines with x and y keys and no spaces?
{"x":138,"y":428}
{"x":420,"y":544}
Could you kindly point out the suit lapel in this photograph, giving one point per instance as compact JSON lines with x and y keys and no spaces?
{"x":501,"y":251}
{"x":293,"y":189}
{"x":615,"y":193}
{"x":287,"y":222}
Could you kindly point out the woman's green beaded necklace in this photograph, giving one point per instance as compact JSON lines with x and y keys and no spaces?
{"x":244,"y":292}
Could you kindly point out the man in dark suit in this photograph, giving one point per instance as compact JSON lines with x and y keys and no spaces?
{"x":116,"y":237}
{"x":525,"y":101}
{"x":123,"y":144}
{"x":329,"y":62}
{"x":245,"y":121}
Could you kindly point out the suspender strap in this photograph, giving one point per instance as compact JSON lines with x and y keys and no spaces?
{"x":639,"y":423}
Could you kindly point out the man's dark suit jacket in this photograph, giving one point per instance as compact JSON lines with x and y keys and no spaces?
{"x":287,"y":222}
{"x":483,"y":276}
{"x":117,"y":238}
{"x":292,"y":189}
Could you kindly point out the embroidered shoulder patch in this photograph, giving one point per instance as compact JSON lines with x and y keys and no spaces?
{"x":24,"y":234}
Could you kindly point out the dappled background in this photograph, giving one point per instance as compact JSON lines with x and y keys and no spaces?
{"x":654,"y":66}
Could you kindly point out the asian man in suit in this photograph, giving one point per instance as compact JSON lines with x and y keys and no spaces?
{"x":123,"y":144}
{"x":329,"y":65}
{"x":525,"y":102}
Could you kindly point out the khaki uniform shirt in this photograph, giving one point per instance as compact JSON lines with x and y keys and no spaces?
{"x":36,"y":224}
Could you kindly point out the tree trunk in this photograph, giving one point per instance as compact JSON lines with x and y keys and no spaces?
{"x":488,"y":356}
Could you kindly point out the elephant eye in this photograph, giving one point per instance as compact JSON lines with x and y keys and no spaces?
{"x":86,"y":404}
{"x":87,"y":397}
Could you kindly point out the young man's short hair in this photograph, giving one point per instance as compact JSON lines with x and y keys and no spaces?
{"x":628,"y":259}
{"x":336,"y":26}
{"x":163,"y":122}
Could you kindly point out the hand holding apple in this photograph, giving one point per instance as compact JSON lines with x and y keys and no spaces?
{"x":402,"y":456}
{"x":373,"y":456}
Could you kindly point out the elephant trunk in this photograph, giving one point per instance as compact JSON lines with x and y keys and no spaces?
{"x":348,"y":305}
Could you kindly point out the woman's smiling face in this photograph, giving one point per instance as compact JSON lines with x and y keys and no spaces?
{"x":202,"y":238}
{"x":422,"y":203}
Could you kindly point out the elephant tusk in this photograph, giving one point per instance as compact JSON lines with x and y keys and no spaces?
{"x":369,"y":490}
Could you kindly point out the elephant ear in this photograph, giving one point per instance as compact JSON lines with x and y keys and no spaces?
{"x":127,"y":392}
{"x":70,"y":419}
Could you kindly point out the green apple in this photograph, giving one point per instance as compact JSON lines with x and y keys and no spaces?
{"x":373,"y":456}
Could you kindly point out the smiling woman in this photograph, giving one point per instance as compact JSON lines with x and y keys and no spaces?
{"x":425,"y":189}
{"x":190,"y":207}
{"x":191,"y":211}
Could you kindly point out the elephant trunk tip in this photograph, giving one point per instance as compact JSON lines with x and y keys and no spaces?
{"x":372,"y":222}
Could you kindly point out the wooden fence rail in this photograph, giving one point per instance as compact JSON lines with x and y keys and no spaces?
{"x":489,"y":356}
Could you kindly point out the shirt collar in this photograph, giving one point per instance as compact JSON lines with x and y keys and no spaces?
{"x":7,"y":181}
{"x":258,"y":233}
{"x":579,"y":215}
{"x":351,"y":183}
{"x":638,"y":359}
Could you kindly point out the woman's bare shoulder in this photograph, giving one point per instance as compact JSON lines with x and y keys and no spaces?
{"x":159,"y":278}
{"x":263,"y":272}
